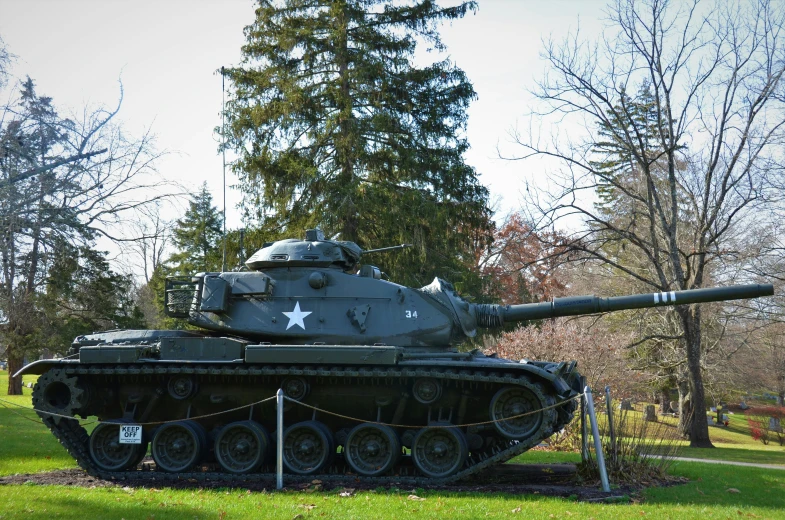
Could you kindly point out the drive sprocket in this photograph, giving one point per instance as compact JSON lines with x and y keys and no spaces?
{"x":57,"y":394}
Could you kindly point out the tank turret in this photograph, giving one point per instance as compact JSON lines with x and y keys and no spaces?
{"x":311,"y":291}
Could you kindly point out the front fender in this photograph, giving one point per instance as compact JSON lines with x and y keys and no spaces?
{"x":44,"y":365}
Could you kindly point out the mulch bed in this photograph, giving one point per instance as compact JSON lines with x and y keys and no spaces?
{"x":527,"y":481}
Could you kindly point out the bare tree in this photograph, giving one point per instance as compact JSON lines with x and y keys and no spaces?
{"x":62,"y":181}
{"x":146,"y":242}
{"x":677,"y":112}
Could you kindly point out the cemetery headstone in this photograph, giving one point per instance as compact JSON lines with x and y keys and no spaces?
{"x":650,"y":413}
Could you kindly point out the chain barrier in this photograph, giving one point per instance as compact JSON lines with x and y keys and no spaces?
{"x":320,"y":410}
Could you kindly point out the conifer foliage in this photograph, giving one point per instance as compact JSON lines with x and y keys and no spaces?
{"x":198,"y":236}
{"x":335,"y":126}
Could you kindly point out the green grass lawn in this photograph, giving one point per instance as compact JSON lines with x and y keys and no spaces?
{"x":733,"y":443}
{"x":27,"y":447}
{"x":761,"y":495}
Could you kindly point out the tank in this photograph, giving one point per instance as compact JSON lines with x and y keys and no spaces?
{"x":376,"y":385}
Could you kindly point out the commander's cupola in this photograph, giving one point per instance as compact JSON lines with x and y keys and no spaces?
{"x":314,"y":251}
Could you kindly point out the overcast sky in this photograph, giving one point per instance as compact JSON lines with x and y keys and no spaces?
{"x":167,"y":52}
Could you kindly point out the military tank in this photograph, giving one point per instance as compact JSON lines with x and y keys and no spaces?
{"x":375,"y":385}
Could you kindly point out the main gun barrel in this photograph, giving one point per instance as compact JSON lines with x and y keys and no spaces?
{"x":496,"y":315}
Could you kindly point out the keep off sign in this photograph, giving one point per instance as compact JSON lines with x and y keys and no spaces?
{"x":130,"y":434}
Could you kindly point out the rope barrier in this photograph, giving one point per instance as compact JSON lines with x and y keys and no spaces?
{"x":140,"y":424}
{"x":437,"y":426}
{"x":3,"y":402}
{"x":355,"y":419}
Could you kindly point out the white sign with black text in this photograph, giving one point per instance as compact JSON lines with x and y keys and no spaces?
{"x":130,"y":434}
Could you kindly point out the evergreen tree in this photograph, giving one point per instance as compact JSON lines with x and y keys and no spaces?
{"x":83,"y":294}
{"x":335,"y":127}
{"x":197,"y":236}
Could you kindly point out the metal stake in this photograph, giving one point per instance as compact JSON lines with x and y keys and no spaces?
{"x":609,"y":406}
{"x":279,"y":444}
{"x":584,"y":434}
{"x":595,"y":431}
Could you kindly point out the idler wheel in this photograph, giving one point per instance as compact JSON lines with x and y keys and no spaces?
{"x":60,"y":394}
{"x":179,"y":446}
{"x":308,"y":447}
{"x":439,"y":452}
{"x":182,"y":387}
{"x":372,"y":449}
{"x":512,"y":401}
{"x":295,"y":388}
{"x":107,"y":452}
{"x":241,"y":447}
{"x":426,"y":390}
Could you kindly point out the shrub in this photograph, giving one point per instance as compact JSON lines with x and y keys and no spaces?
{"x":760,"y":426}
{"x":642,"y":453}
{"x":599,"y":352}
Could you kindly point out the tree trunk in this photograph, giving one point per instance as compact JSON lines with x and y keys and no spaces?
{"x":665,"y":400}
{"x":15,"y":363}
{"x":685,"y":407}
{"x":699,"y":426}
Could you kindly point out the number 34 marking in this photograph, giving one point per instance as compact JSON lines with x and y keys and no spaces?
{"x":411,"y":314}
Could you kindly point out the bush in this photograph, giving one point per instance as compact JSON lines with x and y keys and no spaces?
{"x":600,"y":353}
{"x":760,"y":426}
{"x":642,"y":453}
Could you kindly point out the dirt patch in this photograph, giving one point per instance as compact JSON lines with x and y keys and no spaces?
{"x":484,"y":484}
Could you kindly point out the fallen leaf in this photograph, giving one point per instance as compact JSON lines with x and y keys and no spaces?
{"x":297,"y":517}
{"x":347,"y":492}
{"x":732,"y":490}
{"x":308,"y":507}
{"x":316,"y":482}
{"x":415,"y":497}
{"x":516,"y":510}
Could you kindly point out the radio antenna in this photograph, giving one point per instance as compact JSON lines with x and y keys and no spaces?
{"x":223,"y":153}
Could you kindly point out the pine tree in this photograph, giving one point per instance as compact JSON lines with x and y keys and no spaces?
{"x":335,"y":127}
{"x":197,"y":236}
{"x":83,"y":294}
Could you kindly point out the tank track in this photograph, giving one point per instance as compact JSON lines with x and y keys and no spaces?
{"x":75,"y":438}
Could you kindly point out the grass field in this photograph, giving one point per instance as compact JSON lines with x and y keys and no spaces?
{"x":733,"y":443}
{"x":27,"y":446}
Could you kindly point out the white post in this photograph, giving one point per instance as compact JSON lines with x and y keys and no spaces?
{"x":595,"y":431}
{"x":279,"y":444}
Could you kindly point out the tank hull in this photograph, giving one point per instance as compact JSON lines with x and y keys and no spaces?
{"x":376,"y":412}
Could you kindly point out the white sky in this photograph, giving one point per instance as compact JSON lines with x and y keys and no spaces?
{"x":167,"y":53}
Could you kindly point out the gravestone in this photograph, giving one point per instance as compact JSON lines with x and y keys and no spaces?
{"x":650,"y":413}
{"x":743,"y":405}
{"x":774,"y":424}
{"x":626,"y":405}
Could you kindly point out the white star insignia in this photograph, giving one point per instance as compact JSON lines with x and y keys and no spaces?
{"x":296,"y":317}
